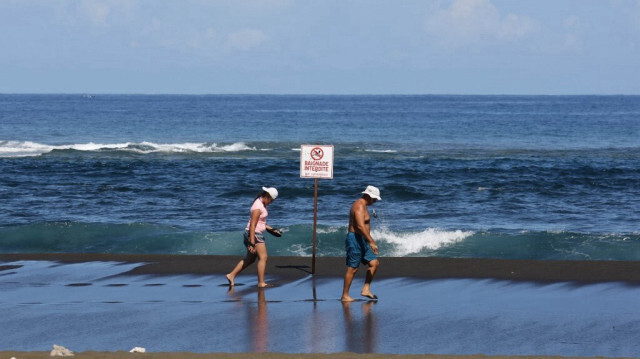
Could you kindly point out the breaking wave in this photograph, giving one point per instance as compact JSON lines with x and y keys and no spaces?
{"x":146,"y":238}
{"x":29,"y":148}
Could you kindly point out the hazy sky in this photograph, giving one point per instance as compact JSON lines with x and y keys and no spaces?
{"x":320,"y":46}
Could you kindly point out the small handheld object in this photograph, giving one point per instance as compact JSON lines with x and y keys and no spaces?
{"x":274,"y":232}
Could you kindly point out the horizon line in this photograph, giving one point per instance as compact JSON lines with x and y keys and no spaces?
{"x":301,"y":94}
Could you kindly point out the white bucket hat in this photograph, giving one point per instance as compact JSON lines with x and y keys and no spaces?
{"x":373,"y":192}
{"x":272,"y":191}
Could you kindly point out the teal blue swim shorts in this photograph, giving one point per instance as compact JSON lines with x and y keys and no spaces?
{"x":358,"y":250}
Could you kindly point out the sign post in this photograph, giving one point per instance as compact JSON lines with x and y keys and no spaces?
{"x":316,"y":161}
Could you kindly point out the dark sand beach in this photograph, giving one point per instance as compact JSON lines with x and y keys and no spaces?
{"x":410,"y":267}
{"x":102,"y":305}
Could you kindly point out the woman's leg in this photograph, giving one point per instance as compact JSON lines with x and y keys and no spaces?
{"x":261,"y":250}
{"x":244,"y":263}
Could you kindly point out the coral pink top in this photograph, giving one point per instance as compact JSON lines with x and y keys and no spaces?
{"x":262,"y":222}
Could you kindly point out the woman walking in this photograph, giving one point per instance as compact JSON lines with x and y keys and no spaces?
{"x":254,"y":236}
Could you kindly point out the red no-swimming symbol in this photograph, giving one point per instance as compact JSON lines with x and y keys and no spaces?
{"x":317,"y":153}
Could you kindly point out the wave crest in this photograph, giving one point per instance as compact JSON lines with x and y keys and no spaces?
{"x":429,"y":239}
{"x":29,"y":148}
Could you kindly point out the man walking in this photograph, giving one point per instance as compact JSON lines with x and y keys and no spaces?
{"x":360,"y":246}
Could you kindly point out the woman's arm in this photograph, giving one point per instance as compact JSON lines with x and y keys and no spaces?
{"x":255,"y":216}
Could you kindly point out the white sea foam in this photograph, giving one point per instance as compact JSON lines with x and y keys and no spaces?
{"x":29,"y":148}
{"x":300,"y":250}
{"x":327,"y":230}
{"x":22,"y":149}
{"x":430,"y":239}
{"x":382,"y":151}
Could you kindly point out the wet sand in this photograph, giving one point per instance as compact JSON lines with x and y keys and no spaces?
{"x":408,"y":267}
{"x":181,"y":306}
{"x":119,"y":355}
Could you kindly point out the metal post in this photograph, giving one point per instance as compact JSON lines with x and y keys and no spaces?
{"x":315,"y":221}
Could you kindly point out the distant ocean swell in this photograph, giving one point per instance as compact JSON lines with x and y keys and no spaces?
{"x":10,"y":149}
{"x":77,"y":237}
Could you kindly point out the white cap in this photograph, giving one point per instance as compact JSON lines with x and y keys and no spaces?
{"x":272,"y":191}
{"x":373,"y":192}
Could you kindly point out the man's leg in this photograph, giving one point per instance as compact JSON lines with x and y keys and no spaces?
{"x":348,"y":278}
{"x":371,"y":272}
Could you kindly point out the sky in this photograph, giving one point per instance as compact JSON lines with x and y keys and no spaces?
{"x":533,"y":47}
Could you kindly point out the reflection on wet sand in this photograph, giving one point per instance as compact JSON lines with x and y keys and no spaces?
{"x":256,"y":318}
{"x":260,"y":325}
{"x":317,"y":325}
{"x":360,"y":333}
{"x":358,"y":329}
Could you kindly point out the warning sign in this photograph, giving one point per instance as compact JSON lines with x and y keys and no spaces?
{"x":316,"y":161}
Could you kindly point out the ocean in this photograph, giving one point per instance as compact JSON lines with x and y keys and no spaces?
{"x":516,"y":177}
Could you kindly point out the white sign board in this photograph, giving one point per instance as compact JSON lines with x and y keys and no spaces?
{"x":316,"y":161}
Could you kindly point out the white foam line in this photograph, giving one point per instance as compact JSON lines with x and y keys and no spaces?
{"x":29,"y":148}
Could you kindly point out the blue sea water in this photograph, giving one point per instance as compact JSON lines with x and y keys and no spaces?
{"x":533,"y":177}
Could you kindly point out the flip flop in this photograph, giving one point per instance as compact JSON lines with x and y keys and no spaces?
{"x":274,"y":232}
{"x":370,"y":296}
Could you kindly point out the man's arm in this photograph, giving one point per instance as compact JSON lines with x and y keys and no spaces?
{"x":363,"y":228}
